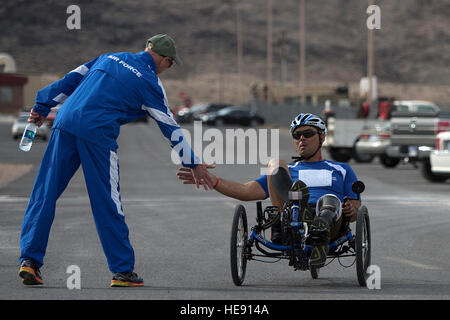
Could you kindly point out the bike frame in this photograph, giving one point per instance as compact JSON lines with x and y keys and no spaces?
{"x":256,"y":236}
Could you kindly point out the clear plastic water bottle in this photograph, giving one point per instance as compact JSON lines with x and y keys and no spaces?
{"x":28,"y":137}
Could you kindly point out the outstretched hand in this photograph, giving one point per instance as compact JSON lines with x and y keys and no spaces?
{"x":198,"y":176}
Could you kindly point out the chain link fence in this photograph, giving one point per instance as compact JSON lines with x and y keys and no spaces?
{"x":282,"y":114}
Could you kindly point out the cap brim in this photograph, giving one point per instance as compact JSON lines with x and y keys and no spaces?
{"x":178,"y":61}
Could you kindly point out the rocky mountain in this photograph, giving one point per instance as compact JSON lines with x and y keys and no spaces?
{"x":412,"y":46}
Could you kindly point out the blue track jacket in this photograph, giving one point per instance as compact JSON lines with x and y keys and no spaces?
{"x":107,"y":92}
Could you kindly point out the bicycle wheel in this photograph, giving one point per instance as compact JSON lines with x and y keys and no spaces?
{"x":363,"y":245}
{"x":239,"y":233}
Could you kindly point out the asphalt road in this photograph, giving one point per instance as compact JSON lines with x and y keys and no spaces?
{"x":181,"y":235}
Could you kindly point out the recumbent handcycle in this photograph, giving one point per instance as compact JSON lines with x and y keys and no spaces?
{"x":295,"y":235}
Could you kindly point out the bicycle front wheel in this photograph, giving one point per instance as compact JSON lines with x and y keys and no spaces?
{"x":363,"y":245}
{"x":239,"y":233}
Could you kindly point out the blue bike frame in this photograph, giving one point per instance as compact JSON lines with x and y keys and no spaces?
{"x":255,"y":236}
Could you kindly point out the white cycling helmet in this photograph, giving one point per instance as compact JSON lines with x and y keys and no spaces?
{"x":308,"y":119}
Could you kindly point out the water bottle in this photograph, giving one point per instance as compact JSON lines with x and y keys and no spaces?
{"x":28,"y":137}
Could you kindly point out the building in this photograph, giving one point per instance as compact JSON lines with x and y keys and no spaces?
{"x":12,"y":93}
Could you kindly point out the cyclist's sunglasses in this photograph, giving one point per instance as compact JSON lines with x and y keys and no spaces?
{"x":306,"y":133}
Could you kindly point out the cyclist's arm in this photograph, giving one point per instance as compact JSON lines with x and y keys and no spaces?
{"x":248,"y":191}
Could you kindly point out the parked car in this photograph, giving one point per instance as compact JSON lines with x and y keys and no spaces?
{"x":233,"y":115}
{"x":21,"y":122}
{"x":374,"y":141}
{"x":196,"y":111}
{"x":437,"y":169}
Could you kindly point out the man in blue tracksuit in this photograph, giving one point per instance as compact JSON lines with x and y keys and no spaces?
{"x":97,"y":98}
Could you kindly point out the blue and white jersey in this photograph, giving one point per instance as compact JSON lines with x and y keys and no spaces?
{"x":321,"y":177}
{"x":107,"y":92}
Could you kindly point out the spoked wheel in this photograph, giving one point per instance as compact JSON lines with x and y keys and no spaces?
{"x":239,"y":233}
{"x":363,"y":245}
{"x":314,"y":272}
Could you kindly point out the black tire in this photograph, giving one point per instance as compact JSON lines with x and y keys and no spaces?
{"x":429,"y":175}
{"x":314,"y":272}
{"x":362,"y":245}
{"x":340,"y":154}
{"x":239,"y":236}
{"x":361,"y":158}
{"x":389,"y":162}
{"x":254,"y":123}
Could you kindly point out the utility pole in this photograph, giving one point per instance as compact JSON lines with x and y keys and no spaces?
{"x":302,"y":81}
{"x":283,"y":59}
{"x":269,"y":51}
{"x":370,"y":64}
{"x":239,"y":50}
{"x":220,"y":65}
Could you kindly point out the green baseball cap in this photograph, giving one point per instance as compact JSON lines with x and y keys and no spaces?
{"x":164,"y":45}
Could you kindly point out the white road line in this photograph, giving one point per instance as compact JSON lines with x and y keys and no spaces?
{"x":413,"y":263}
{"x":230,"y":204}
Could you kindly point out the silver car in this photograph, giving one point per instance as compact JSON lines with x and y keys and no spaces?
{"x":21,"y":122}
{"x":374,"y":141}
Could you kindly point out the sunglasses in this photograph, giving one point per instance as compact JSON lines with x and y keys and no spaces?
{"x":307,"y":134}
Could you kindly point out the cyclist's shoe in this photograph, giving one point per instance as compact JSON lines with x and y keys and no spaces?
{"x":300,"y":186}
{"x":307,"y":216}
{"x":29,"y":273}
{"x":126,"y":279}
{"x":319,"y":238}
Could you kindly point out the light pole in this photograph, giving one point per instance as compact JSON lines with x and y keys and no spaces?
{"x":370,"y":63}
{"x":269,"y":51}
{"x":239,"y":50}
{"x":302,"y":77}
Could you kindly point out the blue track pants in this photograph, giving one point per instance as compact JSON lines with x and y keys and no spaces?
{"x":63,"y":156}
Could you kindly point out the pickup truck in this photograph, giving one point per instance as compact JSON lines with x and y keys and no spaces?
{"x":414,"y":126}
{"x":343,"y":134}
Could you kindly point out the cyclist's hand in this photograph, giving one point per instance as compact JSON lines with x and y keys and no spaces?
{"x":202,"y":177}
{"x":350,"y":209}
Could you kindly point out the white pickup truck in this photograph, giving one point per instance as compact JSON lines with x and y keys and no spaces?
{"x":414,"y":132}
{"x":343,"y":134}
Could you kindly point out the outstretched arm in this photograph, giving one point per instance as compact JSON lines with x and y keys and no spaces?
{"x":248,"y":191}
